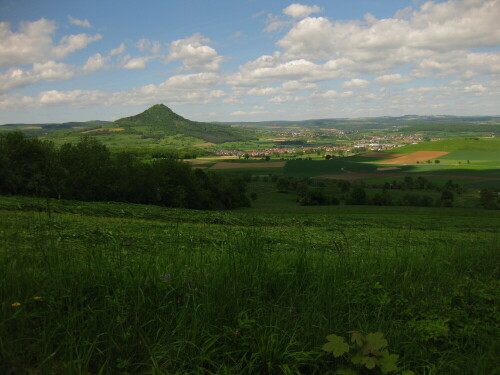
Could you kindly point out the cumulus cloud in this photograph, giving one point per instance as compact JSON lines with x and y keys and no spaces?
{"x":287,"y":88}
{"x":269,"y":69}
{"x":95,"y":63}
{"x":118,"y":50}
{"x":301,"y":11}
{"x":177,"y":90}
{"x":392,"y":79}
{"x":246,"y":113}
{"x":16,"y":78}
{"x":192,"y":81}
{"x":147,"y":45}
{"x":475,"y":88}
{"x":195,"y":54}
{"x":137,"y":63}
{"x":263,"y":91}
{"x":355,"y":83}
{"x":81,"y":23}
{"x":34,"y":43}
{"x":330,"y":94}
{"x":435,"y":28}
{"x":275,"y":23}
{"x":432,"y":41}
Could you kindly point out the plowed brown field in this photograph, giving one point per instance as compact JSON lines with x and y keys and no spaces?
{"x":226,"y":165}
{"x":414,"y":157}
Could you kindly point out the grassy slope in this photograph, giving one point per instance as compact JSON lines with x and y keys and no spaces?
{"x":453,"y":145}
{"x":248,"y":291}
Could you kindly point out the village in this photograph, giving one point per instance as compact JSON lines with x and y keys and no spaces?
{"x":372,"y":143}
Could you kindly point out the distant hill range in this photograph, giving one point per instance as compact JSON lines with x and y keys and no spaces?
{"x":160,"y":127}
{"x":407,"y":123}
{"x":155,"y":123}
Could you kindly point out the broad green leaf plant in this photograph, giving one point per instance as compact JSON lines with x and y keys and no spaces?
{"x":363,"y":354}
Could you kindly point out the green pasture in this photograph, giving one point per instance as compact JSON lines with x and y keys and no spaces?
{"x":311,"y":168}
{"x":454,"y":145}
{"x":119,"y":288}
{"x":250,"y":171}
{"x":473,"y":156}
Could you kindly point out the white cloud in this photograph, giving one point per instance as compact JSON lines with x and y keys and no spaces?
{"x":301,"y":11}
{"x":49,"y":71}
{"x":55,"y":97}
{"x":263,"y":91}
{"x":148,"y":45}
{"x":177,"y":90}
{"x":330,"y":94}
{"x":137,"y":63}
{"x":436,"y":28}
{"x":392,"y":79}
{"x":95,"y":63}
{"x":246,"y":113}
{"x":275,"y":23}
{"x":194,"y":54}
{"x":298,"y":85}
{"x":33,"y":43}
{"x":72,"y":43}
{"x":81,"y":23}
{"x":355,"y":83}
{"x":284,"y":99}
{"x":217,"y":94}
{"x":270,"y":69}
{"x":192,"y":81}
{"x":118,"y":50}
{"x":475,"y":88}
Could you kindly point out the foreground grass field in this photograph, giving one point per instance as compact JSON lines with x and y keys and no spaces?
{"x":110,"y":288}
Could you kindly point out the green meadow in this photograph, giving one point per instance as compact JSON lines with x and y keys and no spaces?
{"x":121,"y":288}
{"x":116,"y":288}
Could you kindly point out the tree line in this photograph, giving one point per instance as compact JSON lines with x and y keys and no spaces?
{"x":312,"y":192}
{"x":87,"y":171}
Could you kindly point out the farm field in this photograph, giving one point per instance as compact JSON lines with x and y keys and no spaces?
{"x":115,"y":288}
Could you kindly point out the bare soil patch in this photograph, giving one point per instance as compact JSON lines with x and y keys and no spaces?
{"x":32,"y":128}
{"x":215,"y":158}
{"x":271,"y":164}
{"x":387,"y":168}
{"x":196,"y":162}
{"x":414,"y":157}
{"x":380,"y":155}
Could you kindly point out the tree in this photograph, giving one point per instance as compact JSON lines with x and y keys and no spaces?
{"x":487,"y":198}
{"x":358,"y":196}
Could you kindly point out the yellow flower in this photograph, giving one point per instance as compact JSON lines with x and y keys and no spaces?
{"x":37,"y":298}
{"x":15,"y":304}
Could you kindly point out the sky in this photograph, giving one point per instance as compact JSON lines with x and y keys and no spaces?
{"x":247,"y":60}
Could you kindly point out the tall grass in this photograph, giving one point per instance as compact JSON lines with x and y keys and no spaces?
{"x":135,"y":296}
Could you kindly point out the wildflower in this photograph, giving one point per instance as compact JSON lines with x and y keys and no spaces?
{"x":16,"y":304}
{"x":37,"y":298}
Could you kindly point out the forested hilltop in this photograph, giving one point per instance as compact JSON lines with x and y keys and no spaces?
{"x":87,"y":171}
{"x":161,"y":120}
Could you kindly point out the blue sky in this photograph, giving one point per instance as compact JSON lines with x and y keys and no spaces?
{"x":247,"y":60}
